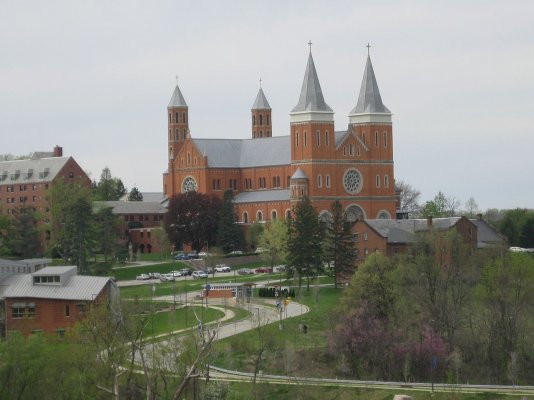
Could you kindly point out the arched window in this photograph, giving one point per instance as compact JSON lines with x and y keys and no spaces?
{"x":351,"y":149}
{"x":326,"y":139}
{"x":184,"y":117}
{"x":319,"y":181}
{"x":305,"y":139}
{"x":261,"y":119}
{"x":344,"y":150}
{"x":259,"y":216}
{"x":188,"y":158}
{"x":253,"y":120}
{"x":274,"y":215}
{"x":245,"y":217}
{"x":378,"y":181}
{"x":170,"y":118}
{"x":288,"y":214}
{"x":386,"y":181}
{"x":327,"y":178}
{"x":176,"y":117}
{"x":268,"y":122}
{"x":385,"y":139}
{"x":377,"y":141}
{"x":177,"y":134}
{"x":185,"y":133}
{"x":296,"y":139}
{"x":318,"y":138}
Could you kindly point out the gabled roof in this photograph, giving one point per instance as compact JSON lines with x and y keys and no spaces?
{"x":31,"y":170}
{"x":260,"y":196}
{"x":404,"y":230}
{"x":177,"y":100}
{"x":261,"y":102}
{"x":487,"y":235}
{"x":369,"y":100}
{"x":78,"y":287}
{"x":148,"y":197}
{"x":299,"y":174}
{"x":311,"y":95}
{"x":245,"y":153}
{"x":131,"y":207}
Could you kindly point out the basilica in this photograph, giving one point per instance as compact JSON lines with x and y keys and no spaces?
{"x":269,"y":173}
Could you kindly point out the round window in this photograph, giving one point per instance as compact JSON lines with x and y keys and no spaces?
{"x":353,"y":181}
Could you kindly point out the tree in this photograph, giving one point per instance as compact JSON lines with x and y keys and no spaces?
{"x":107,"y":225}
{"x":471,"y":208}
{"x":408,"y":196}
{"x":192,"y":218}
{"x":5,"y":223}
{"x":23,"y":234}
{"x":135,"y":195}
{"x":511,"y":224}
{"x":339,"y":245}
{"x":273,"y":241}
{"x":229,"y":234}
{"x":108,"y":188}
{"x":304,"y":242}
{"x":526,"y":238}
{"x":162,"y":239}
{"x":78,"y":233}
{"x":253,"y":234}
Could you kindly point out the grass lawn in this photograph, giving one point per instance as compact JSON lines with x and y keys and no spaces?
{"x":288,"y":350}
{"x":168,"y":321}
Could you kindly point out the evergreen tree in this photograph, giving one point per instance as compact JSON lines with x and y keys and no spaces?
{"x":135,"y":195}
{"x":23,"y":234}
{"x":339,"y":245}
{"x":107,"y":225}
{"x":79,"y":233}
{"x":304,"y":245}
{"x":229,"y":234}
{"x":526,"y":238}
{"x":108,"y":188}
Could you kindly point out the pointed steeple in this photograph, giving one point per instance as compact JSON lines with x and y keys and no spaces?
{"x":177,"y":100}
{"x":369,"y":100}
{"x":311,"y":95}
{"x":261,"y":102}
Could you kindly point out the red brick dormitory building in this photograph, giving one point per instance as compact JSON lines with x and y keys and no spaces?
{"x":269,"y":173}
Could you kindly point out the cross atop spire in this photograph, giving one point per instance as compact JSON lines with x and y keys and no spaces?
{"x":368,"y":47}
{"x":177,"y":79}
{"x":310,"y":44}
{"x":260,"y":82}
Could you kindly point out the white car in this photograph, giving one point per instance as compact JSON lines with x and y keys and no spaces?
{"x":199,"y":275}
{"x":169,"y":277}
{"x":176,"y":274}
{"x":222,"y":268}
{"x":203,"y":254}
{"x":142,"y":277}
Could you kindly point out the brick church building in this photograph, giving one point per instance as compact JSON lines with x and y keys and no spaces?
{"x":268,"y":174}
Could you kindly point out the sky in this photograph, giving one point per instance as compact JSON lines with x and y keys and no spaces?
{"x":95,"y":77}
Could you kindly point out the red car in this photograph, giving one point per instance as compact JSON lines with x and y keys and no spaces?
{"x":264,"y":270}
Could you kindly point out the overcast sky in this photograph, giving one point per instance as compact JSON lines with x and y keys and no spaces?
{"x":96,"y":76}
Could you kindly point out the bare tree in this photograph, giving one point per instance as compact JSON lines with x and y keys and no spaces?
{"x":408,"y":196}
{"x":471,"y":207}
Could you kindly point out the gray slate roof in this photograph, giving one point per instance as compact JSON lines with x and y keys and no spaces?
{"x":369,"y":100}
{"x":403,"y":230}
{"x":486,"y":234}
{"x":76,"y":288}
{"x":131,"y":207}
{"x":260,"y":196}
{"x":311,"y":95}
{"x":31,"y":170}
{"x":245,"y":153}
{"x":150,"y":197}
{"x":261,"y":102}
{"x":177,"y":100}
{"x":299,"y":174}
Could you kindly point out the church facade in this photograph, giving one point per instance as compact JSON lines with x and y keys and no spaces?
{"x":269,"y":174}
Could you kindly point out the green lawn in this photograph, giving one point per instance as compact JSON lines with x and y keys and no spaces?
{"x":168,"y":321}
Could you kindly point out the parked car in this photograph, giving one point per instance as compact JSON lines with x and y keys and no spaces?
{"x":176,"y":274}
{"x":209,"y":270}
{"x":192,"y":255}
{"x":142,"y":277}
{"x":154,"y":275}
{"x":199,"y":275}
{"x":222,"y":268}
{"x":245,"y":271}
{"x":186,"y":271}
{"x":280,"y":268}
{"x":260,"y":250}
{"x":264,"y":270}
{"x":236,"y":253}
{"x":181,"y":256}
{"x":169,"y":277}
{"x":203,"y":254}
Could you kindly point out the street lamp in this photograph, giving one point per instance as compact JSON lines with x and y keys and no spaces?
{"x":432,"y":354}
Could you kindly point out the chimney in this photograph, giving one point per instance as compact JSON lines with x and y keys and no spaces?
{"x":58,"y":151}
{"x":429,"y":221}
{"x":479,"y":217}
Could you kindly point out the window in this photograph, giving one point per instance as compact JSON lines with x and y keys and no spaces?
{"x":261,"y":119}
{"x":318,"y":137}
{"x":184,"y":117}
{"x":185,"y":133}
{"x":259,"y":216}
{"x":326,"y":139}
{"x":344,"y":150}
{"x":148,"y":234}
{"x":253,"y":120}
{"x":305,"y":139}
{"x":273,"y":215}
{"x":365,"y":236}
{"x":176,"y":117}
{"x":170,"y":118}
{"x":297,"y":139}
{"x":385,"y":139}
{"x":67,"y":311}
{"x":268,"y":120}
{"x":386,"y":181}
{"x":355,"y":237}
{"x":319,"y":181}
{"x":366,"y":252}
{"x":31,"y":310}
{"x":351,"y":150}
{"x":377,"y":141}
{"x":188,"y":158}
{"x":358,"y":150}
{"x":245,"y":217}
{"x":142,"y":234}
{"x":18,"y":310}
{"x":327,"y":178}
{"x":71,"y":174}
{"x":377,"y":181}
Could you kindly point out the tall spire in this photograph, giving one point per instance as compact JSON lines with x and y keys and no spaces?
{"x":261,"y":102}
{"x":311,"y":95}
{"x":369,"y":100}
{"x":177,"y":100}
